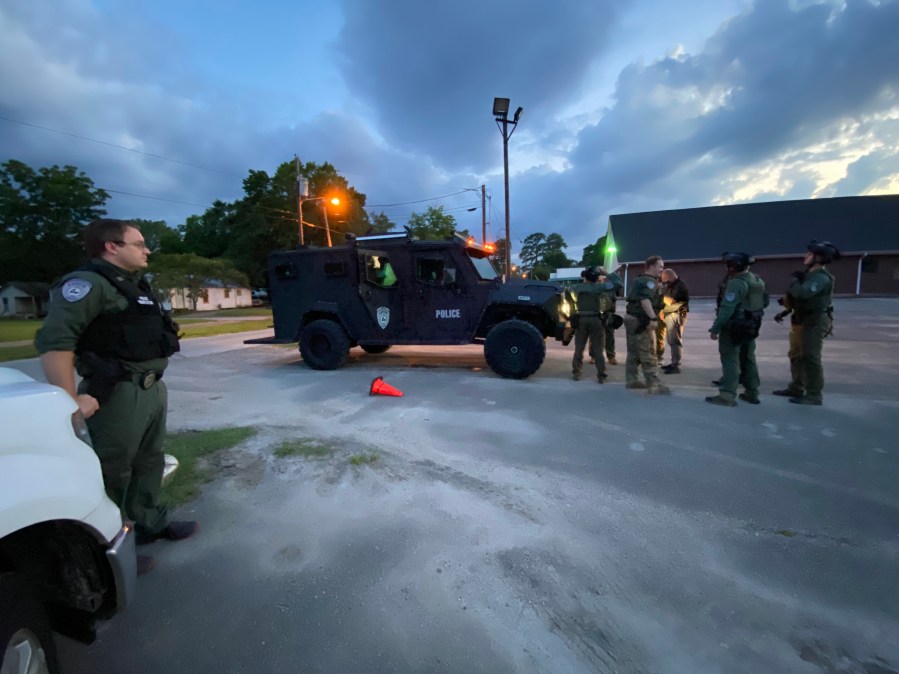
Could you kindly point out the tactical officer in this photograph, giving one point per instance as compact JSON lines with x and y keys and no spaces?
{"x":610,"y":285}
{"x":105,"y":322}
{"x":676,"y":297}
{"x":643,"y":305}
{"x":613,"y":285}
{"x":809,"y":300}
{"x":736,"y":327}
{"x":588,"y":295}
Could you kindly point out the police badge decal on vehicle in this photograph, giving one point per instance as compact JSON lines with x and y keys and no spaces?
{"x":383,"y":317}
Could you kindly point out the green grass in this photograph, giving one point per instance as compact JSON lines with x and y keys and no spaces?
{"x":18,"y":329}
{"x":188,"y":447}
{"x":223,"y":313}
{"x":306,"y":447}
{"x":17,"y":352}
{"x":207,"y":330}
{"x":360,"y":459}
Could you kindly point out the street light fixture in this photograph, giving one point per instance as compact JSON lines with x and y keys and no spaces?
{"x":483,"y":191}
{"x":501,"y":114}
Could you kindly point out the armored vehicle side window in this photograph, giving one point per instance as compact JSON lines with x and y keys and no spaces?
{"x":285,"y":271}
{"x":379,"y":271}
{"x":335,"y":269}
{"x":430,"y":271}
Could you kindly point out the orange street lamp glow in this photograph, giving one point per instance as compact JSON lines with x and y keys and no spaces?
{"x":335,"y":201}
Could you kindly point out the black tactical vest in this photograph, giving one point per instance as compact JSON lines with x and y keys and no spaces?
{"x":142,"y":331}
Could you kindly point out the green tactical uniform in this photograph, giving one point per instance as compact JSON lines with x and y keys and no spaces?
{"x":129,"y":428}
{"x":744,"y":294}
{"x":592,"y":305}
{"x":611,"y":287}
{"x":810,"y":300}
{"x":641,"y":352}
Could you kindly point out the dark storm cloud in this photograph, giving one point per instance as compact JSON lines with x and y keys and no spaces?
{"x":778,"y":77}
{"x":430,"y":70}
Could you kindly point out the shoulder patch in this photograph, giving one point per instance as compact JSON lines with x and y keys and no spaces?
{"x":651,"y":285}
{"x":730,"y":297}
{"x":75,"y":289}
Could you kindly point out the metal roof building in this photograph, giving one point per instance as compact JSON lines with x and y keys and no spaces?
{"x":865,"y":229}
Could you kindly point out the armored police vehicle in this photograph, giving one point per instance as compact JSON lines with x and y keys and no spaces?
{"x":381,"y":290}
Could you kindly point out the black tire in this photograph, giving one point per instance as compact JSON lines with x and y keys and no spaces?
{"x":26,"y":639}
{"x":514,"y":349}
{"x":375,"y":348}
{"x":324,"y":345}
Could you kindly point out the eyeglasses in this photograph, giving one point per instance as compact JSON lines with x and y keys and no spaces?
{"x":141,"y":245}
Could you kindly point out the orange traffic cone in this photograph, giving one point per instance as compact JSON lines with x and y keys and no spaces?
{"x":379,"y":387}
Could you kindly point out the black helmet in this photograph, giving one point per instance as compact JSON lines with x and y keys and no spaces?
{"x":739,"y":260}
{"x":824,"y":250}
{"x":590,"y":274}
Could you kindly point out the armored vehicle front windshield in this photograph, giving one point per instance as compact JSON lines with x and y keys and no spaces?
{"x":484,"y":267}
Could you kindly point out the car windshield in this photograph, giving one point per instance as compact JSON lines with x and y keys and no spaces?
{"x":484,"y":267}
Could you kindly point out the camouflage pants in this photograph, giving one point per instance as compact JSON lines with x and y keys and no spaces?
{"x":128,"y":432}
{"x":806,"y":344}
{"x":641,"y":353}
{"x":590,"y":328}
{"x":610,"y":339}
{"x":674,"y":335}
{"x":738,"y":367}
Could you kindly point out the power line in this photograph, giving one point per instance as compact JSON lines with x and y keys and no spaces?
{"x":144,"y":196}
{"x":120,"y":147}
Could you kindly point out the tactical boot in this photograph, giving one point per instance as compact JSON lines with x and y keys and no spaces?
{"x":752,"y":400}
{"x":174,"y":531}
{"x":576,"y":376}
{"x":788,"y":393}
{"x":718,"y":400}
{"x":636,"y":384}
{"x":805,"y":400}
{"x":658,"y":389}
{"x":611,"y":360}
{"x":717,"y":382}
{"x":671,"y":369}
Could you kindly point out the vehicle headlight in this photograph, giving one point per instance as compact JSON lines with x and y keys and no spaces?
{"x":79,"y":425}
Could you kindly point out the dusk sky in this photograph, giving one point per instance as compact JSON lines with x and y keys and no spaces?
{"x":629,"y":105}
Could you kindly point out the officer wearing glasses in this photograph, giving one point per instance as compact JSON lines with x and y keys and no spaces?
{"x":105,"y":323}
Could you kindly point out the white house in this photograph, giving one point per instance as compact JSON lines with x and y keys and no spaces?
{"x":216,"y":295}
{"x":19,"y":299}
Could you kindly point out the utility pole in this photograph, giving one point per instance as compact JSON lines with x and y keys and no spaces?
{"x":299,"y":201}
{"x":483,"y":214}
{"x":501,"y":114}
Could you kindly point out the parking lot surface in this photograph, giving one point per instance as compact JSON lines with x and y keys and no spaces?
{"x":543,"y":525}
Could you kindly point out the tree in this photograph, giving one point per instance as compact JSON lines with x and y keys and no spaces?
{"x":499,"y":256}
{"x":434,"y":225}
{"x":191,"y":274}
{"x":595,"y":253}
{"x":42,"y":214}
{"x":541,"y":254}
{"x":267,"y":217}
{"x":159,"y":237}
{"x":380,"y":224}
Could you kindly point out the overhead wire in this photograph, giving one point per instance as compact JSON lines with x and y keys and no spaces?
{"x":203,"y":168}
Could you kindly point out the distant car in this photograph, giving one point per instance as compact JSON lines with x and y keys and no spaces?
{"x":67,"y":560}
{"x":388,"y":289}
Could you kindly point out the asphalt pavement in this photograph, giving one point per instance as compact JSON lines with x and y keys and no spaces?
{"x":543,"y":525}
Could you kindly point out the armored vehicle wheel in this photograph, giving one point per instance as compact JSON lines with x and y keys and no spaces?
{"x":514,"y":349}
{"x":375,"y":348}
{"x":324,"y":345}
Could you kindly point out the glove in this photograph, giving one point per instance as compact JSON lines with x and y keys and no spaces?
{"x":781,"y":316}
{"x":799,"y":274}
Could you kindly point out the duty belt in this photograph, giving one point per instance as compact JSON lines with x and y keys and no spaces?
{"x":144,"y":379}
